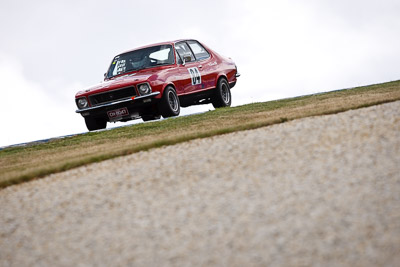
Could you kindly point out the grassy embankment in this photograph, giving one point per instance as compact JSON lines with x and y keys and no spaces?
{"x":19,"y":164}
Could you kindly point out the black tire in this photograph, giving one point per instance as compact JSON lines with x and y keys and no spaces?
{"x":169,"y":104}
{"x":222,"y":96}
{"x":95,"y":123}
{"x":151,"y":117}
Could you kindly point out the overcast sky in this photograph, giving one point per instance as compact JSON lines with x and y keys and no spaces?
{"x":49,"y":50}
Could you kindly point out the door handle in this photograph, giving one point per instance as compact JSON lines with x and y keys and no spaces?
{"x":201,"y":66}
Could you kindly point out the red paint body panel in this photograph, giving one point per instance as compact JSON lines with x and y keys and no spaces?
{"x":190,"y":79}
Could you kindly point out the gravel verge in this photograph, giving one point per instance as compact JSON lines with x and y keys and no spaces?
{"x":321,"y":191}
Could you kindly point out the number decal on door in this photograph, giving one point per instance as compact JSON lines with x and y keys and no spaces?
{"x":195,"y":75}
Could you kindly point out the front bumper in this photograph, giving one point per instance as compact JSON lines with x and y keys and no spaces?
{"x":128,"y":101}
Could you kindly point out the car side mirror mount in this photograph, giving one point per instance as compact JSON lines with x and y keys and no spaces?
{"x":186,"y":59}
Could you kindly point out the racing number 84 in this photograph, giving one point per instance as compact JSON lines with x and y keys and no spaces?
{"x":195,"y":75}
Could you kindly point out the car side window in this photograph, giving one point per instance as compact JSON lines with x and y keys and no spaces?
{"x":178,"y":58}
{"x":199,"y":51}
{"x":184,"y":52}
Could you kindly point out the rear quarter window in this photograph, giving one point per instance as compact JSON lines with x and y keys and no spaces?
{"x":199,"y":51}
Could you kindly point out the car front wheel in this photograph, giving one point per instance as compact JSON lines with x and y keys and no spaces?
{"x":169,"y":104}
{"x":95,"y":123}
{"x":222,"y":96}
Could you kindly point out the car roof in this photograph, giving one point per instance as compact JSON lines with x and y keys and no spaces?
{"x":155,"y":44}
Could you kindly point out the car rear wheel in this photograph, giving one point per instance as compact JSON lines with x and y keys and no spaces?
{"x":222,"y":96}
{"x":95,"y":123}
{"x":169,"y":105}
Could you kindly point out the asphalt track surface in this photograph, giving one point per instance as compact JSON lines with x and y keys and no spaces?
{"x":322,"y":191}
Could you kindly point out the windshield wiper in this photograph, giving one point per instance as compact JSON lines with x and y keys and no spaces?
{"x":133,"y":69}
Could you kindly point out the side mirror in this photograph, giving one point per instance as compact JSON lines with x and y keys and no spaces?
{"x":187,"y":58}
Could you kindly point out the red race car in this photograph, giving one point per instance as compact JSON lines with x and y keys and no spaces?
{"x":156,"y":80}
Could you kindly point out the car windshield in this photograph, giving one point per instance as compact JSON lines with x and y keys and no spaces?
{"x":141,"y":59}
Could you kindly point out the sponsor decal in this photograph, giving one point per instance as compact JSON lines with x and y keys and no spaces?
{"x":117,"y":113}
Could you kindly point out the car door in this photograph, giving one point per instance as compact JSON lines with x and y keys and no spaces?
{"x":203,"y":65}
{"x":190,"y":77}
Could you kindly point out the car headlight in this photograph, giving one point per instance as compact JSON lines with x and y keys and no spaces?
{"x":144,"y":89}
{"x":82,"y":102}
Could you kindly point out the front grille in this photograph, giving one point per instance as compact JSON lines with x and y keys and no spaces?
{"x":112,"y":96}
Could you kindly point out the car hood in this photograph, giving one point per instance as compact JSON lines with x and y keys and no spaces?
{"x":119,"y":82}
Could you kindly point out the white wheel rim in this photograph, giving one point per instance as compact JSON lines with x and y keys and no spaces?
{"x":225,"y":93}
{"x":173,"y":101}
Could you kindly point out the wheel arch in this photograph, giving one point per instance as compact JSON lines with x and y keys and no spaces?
{"x":165,"y":86}
{"x":220,"y":77}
